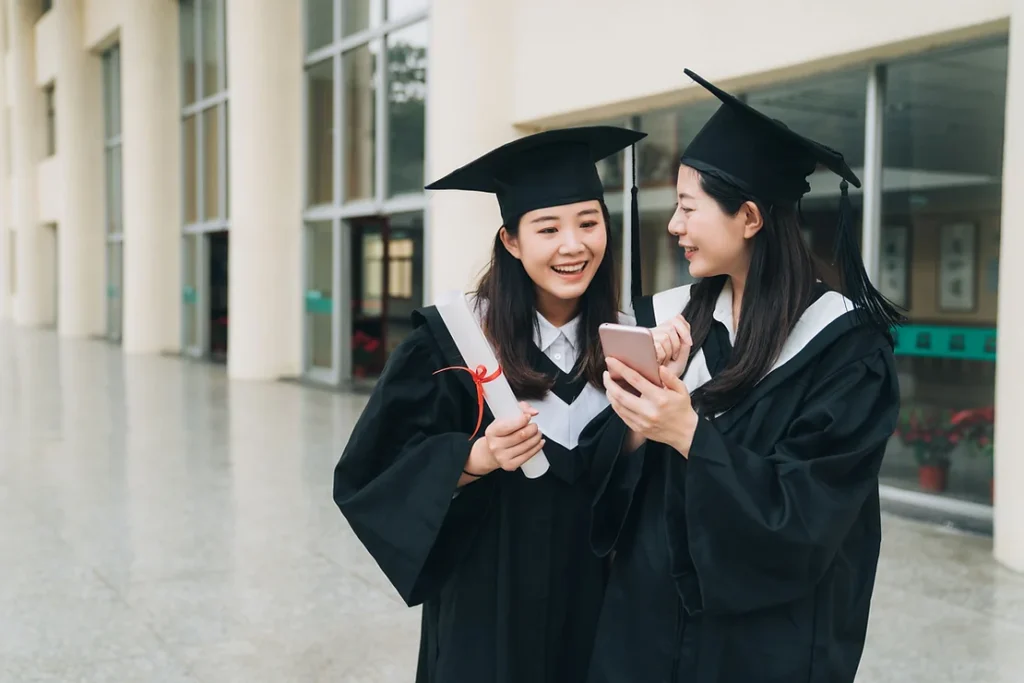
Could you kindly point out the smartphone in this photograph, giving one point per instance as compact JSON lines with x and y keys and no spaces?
{"x":633,"y":346}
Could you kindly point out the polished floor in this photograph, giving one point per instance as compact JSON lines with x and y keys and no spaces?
{"x":159,"y":523}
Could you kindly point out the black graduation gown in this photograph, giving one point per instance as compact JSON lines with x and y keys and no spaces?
{"x":752,"y":561}
{"x":510,"y":589}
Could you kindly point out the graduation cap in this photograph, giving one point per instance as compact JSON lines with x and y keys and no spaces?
{"x":552,"y":168}
{"x":763,"y":157}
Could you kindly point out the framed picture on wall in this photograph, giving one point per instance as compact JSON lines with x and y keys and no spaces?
{"x":893,"y":264}
{"x":958,"y":262}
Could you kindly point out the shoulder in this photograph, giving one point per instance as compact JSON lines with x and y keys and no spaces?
{"x":421,"y":344}
{"x":670,"y":302}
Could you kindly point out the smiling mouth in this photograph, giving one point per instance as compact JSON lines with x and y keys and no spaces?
{"x":570,"y":269}
{"x":689,"y":250}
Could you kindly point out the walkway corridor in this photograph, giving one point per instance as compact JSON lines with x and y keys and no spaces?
{"x":161,"y":524}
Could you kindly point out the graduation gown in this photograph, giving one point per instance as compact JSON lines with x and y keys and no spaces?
{"x":752,"y":561}
{"x":509,"y":587}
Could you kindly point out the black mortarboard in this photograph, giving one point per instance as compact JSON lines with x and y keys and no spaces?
{"x":552,"y":168}
{"x":757,"y":153}
{"x":766,"y":159}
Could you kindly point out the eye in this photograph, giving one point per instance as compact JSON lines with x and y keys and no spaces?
{"x":588,"y":224}
{"x":548,"y":231}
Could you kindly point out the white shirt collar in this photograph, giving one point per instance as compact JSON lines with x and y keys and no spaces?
{"x":546,"y":334}
{"x":723,"y":310}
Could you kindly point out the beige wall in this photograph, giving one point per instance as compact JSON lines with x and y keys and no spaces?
{"x":631,"y":54}
{"x":1009,"y":432}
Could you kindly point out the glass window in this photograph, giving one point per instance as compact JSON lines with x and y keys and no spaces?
{"x":941,"y":206}
{"x":403,"y":8}
{"x":358,"y":15}
{"x":212,"y":42}
{"x":51,"y":121}
{"x":190,"y":171}
{"x":114,"y":294}
{"x":407,"y":99}
{"x":320,"y":293}
{"x":112,"y":91}
{"x":319,"y":24}
{"x":320,"y":131}
{"x":359,"y":121}
{"x":669,"y":132}
{"x":211,"y":163}
{"x":114,"y":190}
{"x":187,"y":36}
{"x":189,"y":292}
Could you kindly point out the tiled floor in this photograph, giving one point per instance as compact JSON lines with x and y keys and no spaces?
{"x":159,"y":523}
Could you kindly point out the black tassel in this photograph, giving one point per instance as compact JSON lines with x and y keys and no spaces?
{"x":636,"y":272}
{"x":874,"y":308}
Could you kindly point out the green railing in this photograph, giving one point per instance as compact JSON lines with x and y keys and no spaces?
{"x":933,"y":341}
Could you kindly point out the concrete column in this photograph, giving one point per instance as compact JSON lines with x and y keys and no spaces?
{"x":264,"y":56}
{"x":33,"y":298}
{"x":469,"y":112}
{"x":1009,"y":434}
{"x":6,"y":258}
{"x":151,"y":137}
{"x":80,"y":249}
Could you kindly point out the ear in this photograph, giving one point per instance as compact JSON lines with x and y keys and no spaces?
{"x":510,"y":242}
{"x":753,"y":221}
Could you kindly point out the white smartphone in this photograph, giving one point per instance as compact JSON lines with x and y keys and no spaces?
{"x":634,"y":347}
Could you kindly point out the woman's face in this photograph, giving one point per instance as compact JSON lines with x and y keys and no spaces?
{"x":560,"y":247}
{"x":715,"y":242}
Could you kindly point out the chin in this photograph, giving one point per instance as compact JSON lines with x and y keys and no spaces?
{"x":699,"y":271}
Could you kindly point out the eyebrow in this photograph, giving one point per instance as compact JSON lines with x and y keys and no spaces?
{"x":584,"y":212}
{"x":683,"y":195}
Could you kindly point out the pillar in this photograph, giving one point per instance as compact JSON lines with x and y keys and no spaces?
{"x":33,"y":297}
{"x":151,"y":158}
{"x":469,"y":112}
{"x":1009,"y":428}
{"x":6,"y":257}
{"x":266,"y":148}
{"x":80,"y":249}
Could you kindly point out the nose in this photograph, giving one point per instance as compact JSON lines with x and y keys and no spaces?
{"x":571,"y":244}
{"x":676,"y":226}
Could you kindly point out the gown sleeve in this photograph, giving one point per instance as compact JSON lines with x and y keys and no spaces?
{"x":614,"y":476}
{"x":396,"y":482}
{"x":762,"y":531}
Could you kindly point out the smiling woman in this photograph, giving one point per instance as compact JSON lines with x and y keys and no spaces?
{"x":511,"y":591}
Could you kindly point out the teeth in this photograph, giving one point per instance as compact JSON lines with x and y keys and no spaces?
{"x":569,"y":270}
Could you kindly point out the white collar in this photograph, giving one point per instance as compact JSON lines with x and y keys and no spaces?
{"x":546,"y":333}
{"x":723,"y":310}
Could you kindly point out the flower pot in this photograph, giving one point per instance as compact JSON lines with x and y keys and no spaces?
{"x":933,"y":477}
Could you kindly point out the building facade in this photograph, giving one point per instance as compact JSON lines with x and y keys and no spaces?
{"x":245,"y":185}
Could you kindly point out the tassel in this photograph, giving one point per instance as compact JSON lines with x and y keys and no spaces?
{"x":873,"y":308}
{"x":636,"y":272}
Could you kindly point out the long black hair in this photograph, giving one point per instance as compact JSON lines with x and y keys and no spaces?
{"x":510,"y":319}
{"x":780,"y":285}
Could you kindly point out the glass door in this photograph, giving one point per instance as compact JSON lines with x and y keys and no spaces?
{"x":321,"y":320}
{"x":369,"y":240}
{"x":386,"y":270}
{"x":193,"y":294}
{"x":115,"y":282}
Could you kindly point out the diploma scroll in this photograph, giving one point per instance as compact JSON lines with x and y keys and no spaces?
{"x":475,"y":350}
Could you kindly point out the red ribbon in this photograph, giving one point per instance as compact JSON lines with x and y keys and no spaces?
{"x":480,"y":377}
